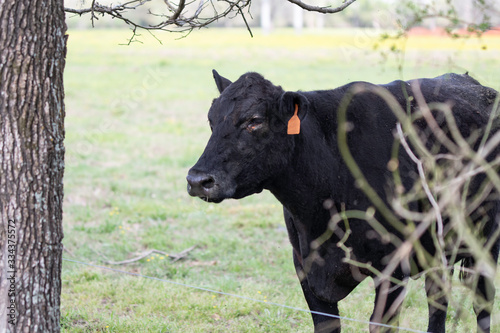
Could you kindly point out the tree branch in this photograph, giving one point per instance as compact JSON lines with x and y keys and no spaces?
{"x":182,"y":16}
{"x":178,"y":19}
{"x":324,"y":10}
{"x":178,"y":12}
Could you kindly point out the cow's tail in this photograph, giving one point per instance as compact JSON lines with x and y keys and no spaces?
{"x":465,"y":266}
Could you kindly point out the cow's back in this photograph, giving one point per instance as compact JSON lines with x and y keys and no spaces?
{"x":372,"y":128}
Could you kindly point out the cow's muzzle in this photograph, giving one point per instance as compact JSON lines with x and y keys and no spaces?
{"x":202,"y":185}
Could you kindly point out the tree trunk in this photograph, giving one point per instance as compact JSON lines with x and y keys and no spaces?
{"x":32,"y":52}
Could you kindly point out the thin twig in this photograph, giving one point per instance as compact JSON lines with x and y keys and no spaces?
{"x":67,"y":250}
{"x":92,"y":15}
{"x":245,"y":20}
{"x":174,"y":257}
{"x":182,"y":254}
{"x":427,"y":190}
{"x":425,"y":185}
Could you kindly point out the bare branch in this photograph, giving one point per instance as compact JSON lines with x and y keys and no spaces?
{"x":185,"y":16}
{"x":175,"y":17}
{"x":324,"y":10}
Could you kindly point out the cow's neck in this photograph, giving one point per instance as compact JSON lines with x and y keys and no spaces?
{"x":308,"y":179}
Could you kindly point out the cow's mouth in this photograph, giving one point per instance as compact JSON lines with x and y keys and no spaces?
{"x":211,"y":200}
{"x":204,"y":197}
{"x":207,"y":199}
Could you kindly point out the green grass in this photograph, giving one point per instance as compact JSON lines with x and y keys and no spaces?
{"x":135,"y":123}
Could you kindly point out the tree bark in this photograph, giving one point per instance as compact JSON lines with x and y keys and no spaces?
{"x":32,"y":59}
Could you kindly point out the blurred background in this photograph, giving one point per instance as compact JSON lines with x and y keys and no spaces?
{"x":136,"y":121}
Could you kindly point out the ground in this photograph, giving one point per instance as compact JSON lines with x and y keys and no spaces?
{"x":136,"y":122}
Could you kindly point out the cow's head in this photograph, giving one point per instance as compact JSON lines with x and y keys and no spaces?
{"x":249,"y":145}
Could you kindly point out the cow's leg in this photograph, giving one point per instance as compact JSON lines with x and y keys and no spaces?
{"x":322,"y":323}
{"x":485,"y":295}
{"x":388,"y":300}
{"x":483,"y":304}
{"x":437,"y":302}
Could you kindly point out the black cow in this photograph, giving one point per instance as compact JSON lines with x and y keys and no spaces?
{"x":250,"y":150}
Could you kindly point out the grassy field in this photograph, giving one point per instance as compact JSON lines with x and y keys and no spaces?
{"x":136,"y":122}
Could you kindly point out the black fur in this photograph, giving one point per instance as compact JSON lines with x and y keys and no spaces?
{"x":250,"y":151}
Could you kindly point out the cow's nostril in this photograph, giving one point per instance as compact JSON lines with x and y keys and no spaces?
{"x":199,"y":183}
{"x":208,"y":183}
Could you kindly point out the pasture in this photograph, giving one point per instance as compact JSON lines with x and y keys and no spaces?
{"x":136,"y":122}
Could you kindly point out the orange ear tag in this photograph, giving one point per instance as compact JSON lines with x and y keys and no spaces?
{"x":294,"y":123}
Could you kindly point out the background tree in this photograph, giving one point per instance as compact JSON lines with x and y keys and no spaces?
{"x":33,"y":46}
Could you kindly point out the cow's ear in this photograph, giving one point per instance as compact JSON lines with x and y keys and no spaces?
{"x":221,"y":82}
{"x":293,"y":108}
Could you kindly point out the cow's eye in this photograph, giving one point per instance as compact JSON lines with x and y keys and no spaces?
{"x":255,"y":123}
